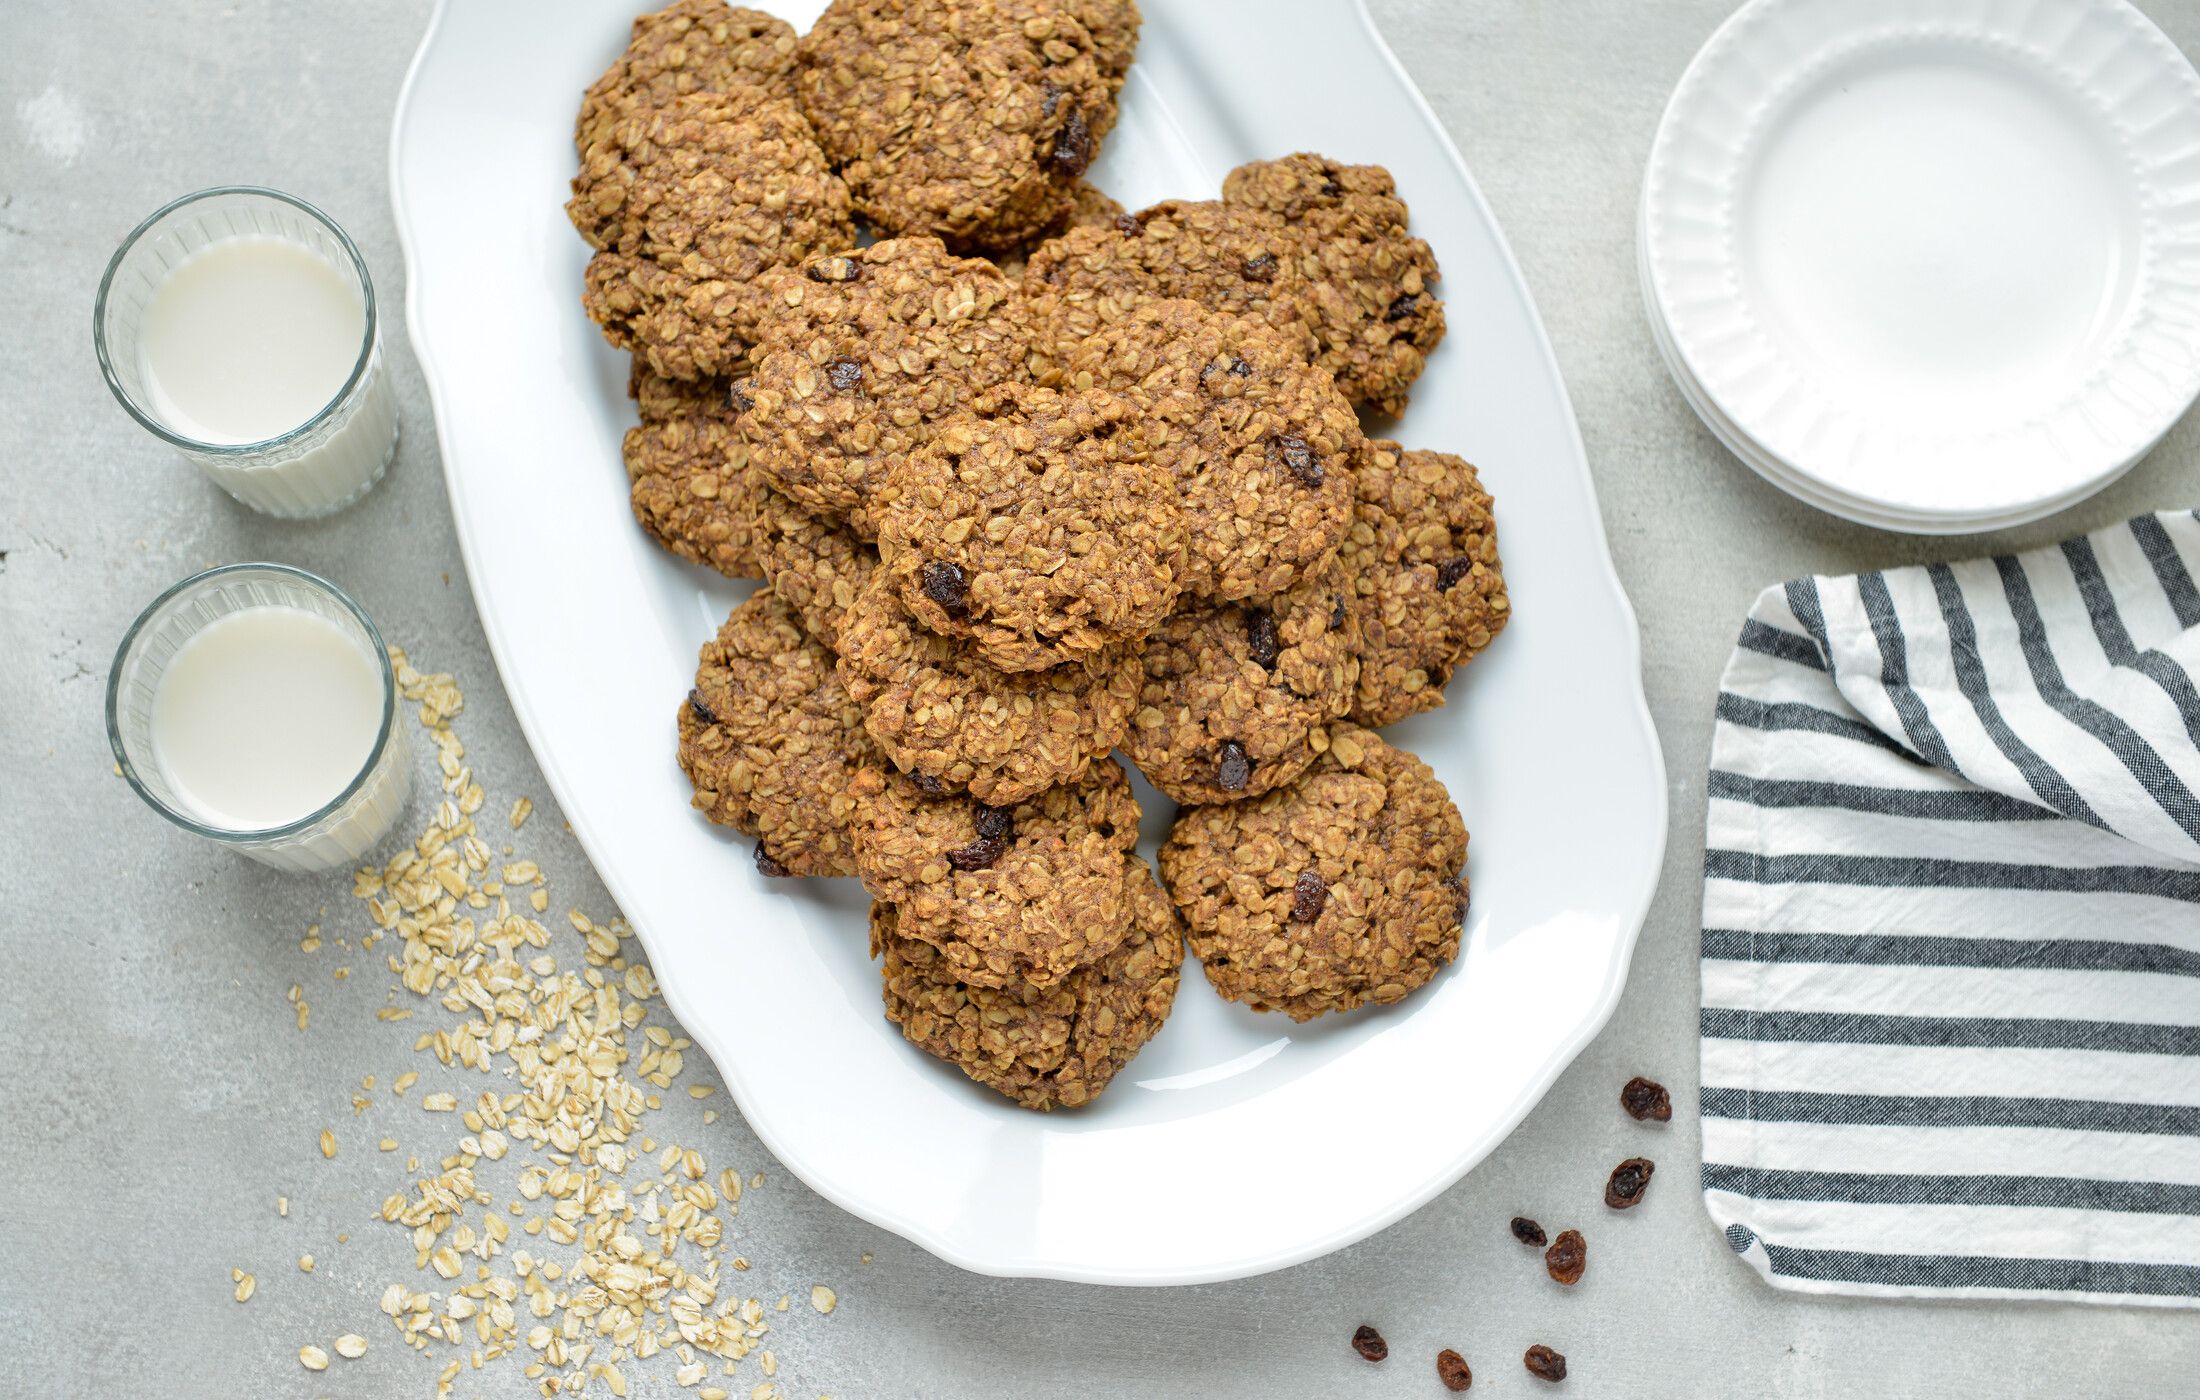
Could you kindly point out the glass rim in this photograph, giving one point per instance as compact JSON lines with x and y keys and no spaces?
{"x":254,"y":835}
{"x":152,"y":424}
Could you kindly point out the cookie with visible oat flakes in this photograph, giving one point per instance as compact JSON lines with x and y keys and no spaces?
{"x":1020,"y":892}
{"x":1263,"y":445}
{"x":1342,"y":888}
{"x":1238,"y":695}
{"x":771,"y":742}
{"x":1427,"y":586}
{"x":818,"y":566}
{"x":1044,"y":1047}
{"x":689,"y":46}
{"x":1222,"y":257}
{"x":863,"y":354}
{"x":1372,"y":284}
{"x":1089,"y":207}
{"x":1039,"y":527}
{"x":691,"y":485}
{"x":688,"y":205}
{"x":971,"y":122}
{"x":940,"y":712}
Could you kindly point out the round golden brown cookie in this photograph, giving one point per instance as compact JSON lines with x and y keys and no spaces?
{"x":1373,"y":284}
{"x":1038,"y":527}
{"x":941,"y":712}
{"x":688,"y":205}
{"x":1114,"y":26}
{"x":862,"y":354}
{"x":972,"y":121}
{"x":689,"y":46}
{"x":1428,"y":590}
{"x":1089,"y":207}
{"x":1222,"y":257}
{"x":1263,"y":444}
{"x":1344,"y":887}
{"x":771,"y":741}
{"x":1052,"y":1047}
{"x":693,"y":489}
{"x":818,"y":566}
{"x":1025,"y":891}
{"x":1238,"y":696}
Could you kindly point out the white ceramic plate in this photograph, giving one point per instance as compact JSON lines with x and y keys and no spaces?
{"x":1937,"y":258}
{"x":1237,"y":1142}
{"x":1803,"y":488}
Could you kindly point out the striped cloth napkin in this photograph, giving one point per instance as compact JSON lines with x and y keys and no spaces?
{"x":1951,"y":945}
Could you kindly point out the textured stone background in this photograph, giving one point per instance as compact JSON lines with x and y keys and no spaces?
{"x":158,"y":1096}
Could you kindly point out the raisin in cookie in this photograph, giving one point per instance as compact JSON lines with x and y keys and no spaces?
{"x":1263,"y":445}
{"x":972,"y":121}
{"x":1039,"y":527}
{"x":1342,"y":888}
{"x":1428,"y":590}
{"x":1044,"y":1047}
{"x":1371,"y":283}
{"x":863,"y":354}
{"x":1024,"y":891}
{"x":689,"y":46}
{"x":942,"y":713}
{"x":771,"y":741}
{"x":1224,"y":257}
{"x":688,"y":205}
{"x":692,"y":488}
{"x":1238,"y":696}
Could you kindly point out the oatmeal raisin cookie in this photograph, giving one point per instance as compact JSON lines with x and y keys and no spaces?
{"x":942,"y":713}
{"x":1039,"y":527}
{"x":771,"y":741}
{"x":1427,"y":587}
{"x":1051,"y":1047}
{"x":689,"y":46}
{"x":1342,"y":888}
{"x":1025,"y":891}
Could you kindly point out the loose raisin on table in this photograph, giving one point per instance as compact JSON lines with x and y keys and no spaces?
{"x":1369,"y":1343}
{"x":1233,"y":768}
{"x":1646,"y":1099}
{"x":1451,"y":1369}
{"x":1567,"y":1257}
{"x":1528,"y":1232}
{"x":1308,"y":896}
{"x":1544,"y":1364}
{"x":1261,"y":641}
{"x":947,"y":584}
{"x":1629,"y":1180}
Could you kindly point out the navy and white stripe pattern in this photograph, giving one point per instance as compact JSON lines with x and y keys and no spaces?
{"x":1951,"y":946}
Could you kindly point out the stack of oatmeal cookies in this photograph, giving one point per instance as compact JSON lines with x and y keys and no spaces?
{"x":1032,"y":481}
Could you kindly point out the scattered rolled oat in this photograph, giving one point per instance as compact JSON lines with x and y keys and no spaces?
{"x":823,"y":1298}
{"x":246,"y":1283}
{"x":351,"y":1346}
{"x":328,"y":1143}
{"x":312,"y":1358}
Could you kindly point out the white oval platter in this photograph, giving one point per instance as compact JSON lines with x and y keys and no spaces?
{"x":1324,"y":1133}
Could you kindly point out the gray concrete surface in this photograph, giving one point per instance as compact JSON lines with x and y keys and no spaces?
{"x":159,"y":1097}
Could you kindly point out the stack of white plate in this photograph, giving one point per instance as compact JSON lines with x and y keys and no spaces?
{"x":1931,"y":265}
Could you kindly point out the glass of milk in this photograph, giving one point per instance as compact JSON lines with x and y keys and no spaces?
{"x":255,"y":705}
{"x":238,"y":325}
